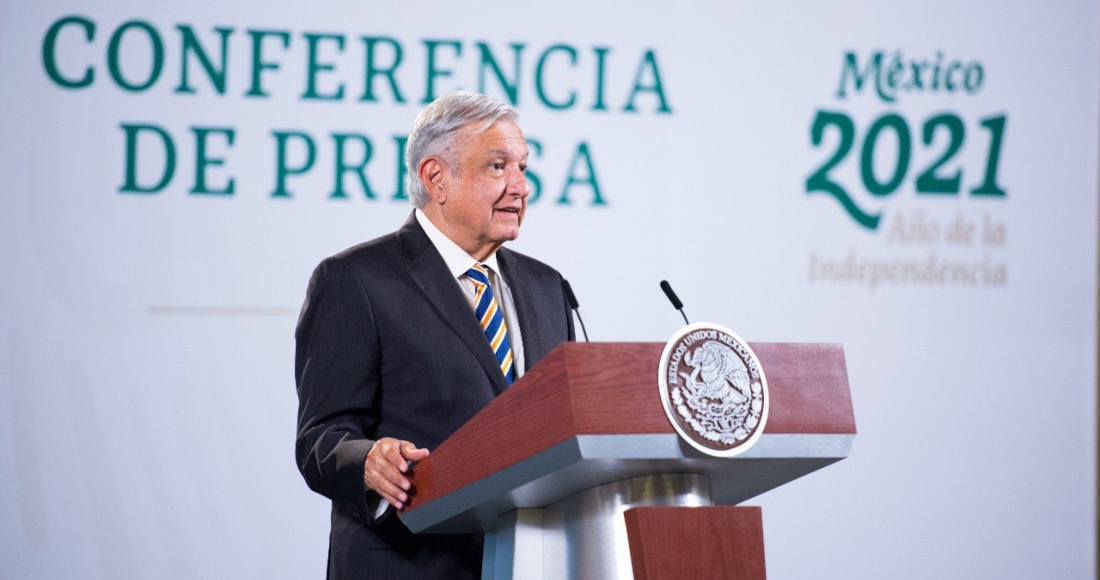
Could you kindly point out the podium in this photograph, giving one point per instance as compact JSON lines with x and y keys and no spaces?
{"x":575,"y":471}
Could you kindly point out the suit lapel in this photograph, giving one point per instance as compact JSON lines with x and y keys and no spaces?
{"x":429,"y":271}
{"x":525,"y":310}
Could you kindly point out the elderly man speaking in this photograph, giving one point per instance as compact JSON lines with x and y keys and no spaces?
{"x":404,"y":338}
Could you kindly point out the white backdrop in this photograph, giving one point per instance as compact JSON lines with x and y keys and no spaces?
{"x":147,"y":404}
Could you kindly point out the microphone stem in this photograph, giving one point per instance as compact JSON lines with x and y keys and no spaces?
{"x":583,"y":329}
{"x":685,"y":316}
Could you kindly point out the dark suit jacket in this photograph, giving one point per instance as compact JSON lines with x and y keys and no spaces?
{"x":387,"y":346}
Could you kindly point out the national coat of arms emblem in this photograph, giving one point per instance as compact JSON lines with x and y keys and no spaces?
{"x":713,"y":389}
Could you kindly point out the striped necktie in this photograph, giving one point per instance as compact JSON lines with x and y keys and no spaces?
{"x":491,"y":318}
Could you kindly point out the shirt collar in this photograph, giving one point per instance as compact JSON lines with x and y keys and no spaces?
{"x":458,"y":261}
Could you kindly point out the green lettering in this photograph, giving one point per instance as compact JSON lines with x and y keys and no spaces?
{"x":191,"y":46}
{"x":433,"y":72}
{"x":402,"y":142}
{"x":533,"y":179}
{"x":851,"y":70}
{"x":582,"y":156}
{"x":282,"y":170}
{"x":113,"y":56}
{"x":996,"y":127}
{"x":49,"y":54}
{"x":886,"y":85}
{"x":487,"y":62}
{"x":540,"y":78}
{"x":131,"y":183}
{"x":601,"y":56}
{"x":259,"y":65}
{"x":949,"y":82}
{"x":202,"y":161}
{"x":313,"y":67}
{"x":342,"y":167}
{"x":649,"y":61}
{"x":373,"y":68}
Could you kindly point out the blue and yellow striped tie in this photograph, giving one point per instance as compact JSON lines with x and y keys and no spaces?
{"x":492,"y":320}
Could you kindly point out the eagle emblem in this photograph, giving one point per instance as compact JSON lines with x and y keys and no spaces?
{"x":713,"y":389}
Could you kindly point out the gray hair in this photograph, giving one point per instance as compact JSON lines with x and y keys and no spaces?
{"x":439,"y":123}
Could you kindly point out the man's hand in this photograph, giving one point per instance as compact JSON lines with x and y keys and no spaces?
{"x":387,"y":462}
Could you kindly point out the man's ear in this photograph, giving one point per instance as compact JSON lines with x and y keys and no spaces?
{"x":431,"y":173}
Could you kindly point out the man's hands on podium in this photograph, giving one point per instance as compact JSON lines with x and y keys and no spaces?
{"x":385,"y":468}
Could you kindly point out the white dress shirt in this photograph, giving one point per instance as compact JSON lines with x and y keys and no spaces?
{"x":458,"y":262}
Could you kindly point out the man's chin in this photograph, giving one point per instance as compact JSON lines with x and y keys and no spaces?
{"x":506,"y":225}
{"x":506,"y":234}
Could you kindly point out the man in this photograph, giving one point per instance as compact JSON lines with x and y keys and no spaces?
{"x":404,"y":338}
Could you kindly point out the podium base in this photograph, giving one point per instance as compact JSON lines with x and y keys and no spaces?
{"x":716,"y":542}
{"x":583,"y":535}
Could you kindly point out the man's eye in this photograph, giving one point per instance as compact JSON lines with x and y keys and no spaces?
{"x":497,"y":166}
{"x":523,"y":168}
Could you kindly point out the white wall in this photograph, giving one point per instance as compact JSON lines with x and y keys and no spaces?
{"x":147,"y":402}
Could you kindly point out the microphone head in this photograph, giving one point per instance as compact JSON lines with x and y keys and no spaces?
{"x":572,"y":298}
{"x":671,"y":295}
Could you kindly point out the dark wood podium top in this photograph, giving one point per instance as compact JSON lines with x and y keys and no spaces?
{"x":590,"y":413}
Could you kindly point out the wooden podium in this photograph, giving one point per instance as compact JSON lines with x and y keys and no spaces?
{"x":576,"y":472}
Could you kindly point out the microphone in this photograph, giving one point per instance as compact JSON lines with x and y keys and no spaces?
{"x":572,"y":298}
{"x":673,"y":299}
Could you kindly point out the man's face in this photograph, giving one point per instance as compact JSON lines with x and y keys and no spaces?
{"x":486,"y":189}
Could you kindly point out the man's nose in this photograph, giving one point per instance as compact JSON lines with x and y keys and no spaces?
{"x":517,"y":183}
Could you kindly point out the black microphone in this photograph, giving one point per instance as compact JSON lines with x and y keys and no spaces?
{"x":572,"y":298}
{"x":673,"y":299}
